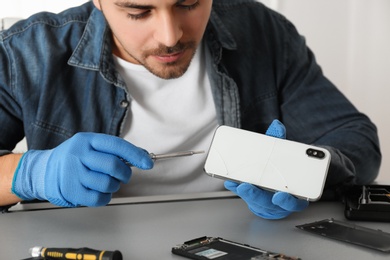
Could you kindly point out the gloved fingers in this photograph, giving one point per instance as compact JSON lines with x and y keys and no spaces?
{"x":91,"y":198}
{"x":231,"y":185}
{"x":95,"y":199}
{"x":64,"y":196}
{"x":260,"y":202}
{"x":99,"y":182}
{"x":289,"y":202}
{"x":255,"y":195}
{"x":276,"y":129}
{"x":269,"y":213}
{"x":59,"y":201}
{"x":107,"y":164}
{"x":138,"y":157}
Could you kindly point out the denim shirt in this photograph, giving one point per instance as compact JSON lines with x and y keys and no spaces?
{"x":57,"y":78}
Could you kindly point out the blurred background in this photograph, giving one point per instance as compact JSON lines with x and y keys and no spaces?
{"x":350,"y":38}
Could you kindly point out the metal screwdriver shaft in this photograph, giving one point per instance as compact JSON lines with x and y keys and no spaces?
{"x":166,"y":156}
{"x":173,"y":155}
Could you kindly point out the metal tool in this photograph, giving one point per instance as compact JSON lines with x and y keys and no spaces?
{"x":167,"y":156}
{"x":173,"y":155}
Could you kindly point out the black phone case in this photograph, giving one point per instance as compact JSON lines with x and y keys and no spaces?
{"x":368,"y":203}
{"x":350,"y":233}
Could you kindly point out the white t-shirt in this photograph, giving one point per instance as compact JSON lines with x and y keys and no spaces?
{"x":170,"y":116}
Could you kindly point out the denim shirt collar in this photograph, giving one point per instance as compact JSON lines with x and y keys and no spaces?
{"x":222,"y":34}
{"x":225,"y":92}
{"x":95,"y":53}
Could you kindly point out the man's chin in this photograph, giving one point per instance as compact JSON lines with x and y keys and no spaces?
{"x":168,"y":71}
{"x":171,"y":74}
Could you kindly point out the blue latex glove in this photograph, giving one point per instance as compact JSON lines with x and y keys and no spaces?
{"x":263,"y":203}
{"x":83,"y":171}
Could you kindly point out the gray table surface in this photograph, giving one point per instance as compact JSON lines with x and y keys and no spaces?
{"x":148,"y":230}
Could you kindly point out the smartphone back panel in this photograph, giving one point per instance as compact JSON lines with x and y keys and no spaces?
{"x":269,"y":162}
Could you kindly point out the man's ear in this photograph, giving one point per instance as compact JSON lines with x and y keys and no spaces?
{"x":97,"y":4}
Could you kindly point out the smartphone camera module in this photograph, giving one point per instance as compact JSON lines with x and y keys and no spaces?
{"x":315,"y":153}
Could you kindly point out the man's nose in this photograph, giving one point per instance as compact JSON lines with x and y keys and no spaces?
{"x":168,"y":31}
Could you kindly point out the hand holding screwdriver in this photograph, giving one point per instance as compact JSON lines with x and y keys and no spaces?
{"x":83,"y":171}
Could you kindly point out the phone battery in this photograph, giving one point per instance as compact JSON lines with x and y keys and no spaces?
{"x":222,"y":249}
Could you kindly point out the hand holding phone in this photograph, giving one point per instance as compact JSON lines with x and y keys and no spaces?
{"x":263,"y":203}
{"x":271,"y":163}
{"x":267,"y":204}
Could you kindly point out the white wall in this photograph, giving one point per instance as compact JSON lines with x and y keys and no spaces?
{"x":24,"y":8}
{"x":350,"y":39}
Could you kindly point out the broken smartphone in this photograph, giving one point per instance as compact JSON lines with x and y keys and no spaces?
{"x":268,"y":162}
{"x":350,"y":233}
{"x":222,"y":249}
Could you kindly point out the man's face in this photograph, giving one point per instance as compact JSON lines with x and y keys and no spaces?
{"x":161,"y":35}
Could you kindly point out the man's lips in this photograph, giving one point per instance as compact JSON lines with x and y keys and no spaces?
{"x":169,"y":58}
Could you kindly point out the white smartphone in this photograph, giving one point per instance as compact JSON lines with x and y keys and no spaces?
{"x":268,"y":162}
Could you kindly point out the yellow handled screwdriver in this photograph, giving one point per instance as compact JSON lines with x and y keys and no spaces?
{"x":74,"y":253}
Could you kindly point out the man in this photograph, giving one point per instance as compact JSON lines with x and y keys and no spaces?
{"x":90,"y":86}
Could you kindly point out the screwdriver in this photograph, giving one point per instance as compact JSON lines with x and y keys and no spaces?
{"x":74,"y":253}
{"x":173,"y":155}
{"x":167,"y":155}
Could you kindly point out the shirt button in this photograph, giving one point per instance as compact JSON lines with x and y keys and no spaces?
{"x":124,"y":103}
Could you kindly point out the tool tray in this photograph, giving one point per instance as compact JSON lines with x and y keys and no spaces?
{"x":368,"y":202}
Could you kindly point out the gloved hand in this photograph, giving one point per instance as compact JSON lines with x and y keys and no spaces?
{"x":83,"y":171}
{"x":263,"y":203}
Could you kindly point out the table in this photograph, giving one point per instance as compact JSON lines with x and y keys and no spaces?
{"x":147,"y":228}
